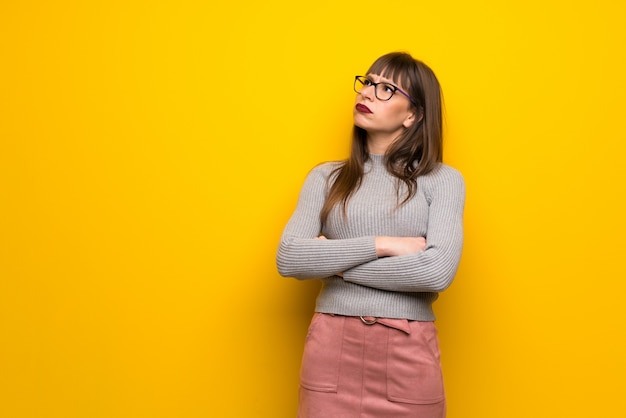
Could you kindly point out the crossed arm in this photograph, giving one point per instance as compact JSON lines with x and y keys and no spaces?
{"x":409,"y":264}
{"x":394,"y":246}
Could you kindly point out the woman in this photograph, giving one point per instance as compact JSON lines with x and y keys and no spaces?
{"x":383,"y":230}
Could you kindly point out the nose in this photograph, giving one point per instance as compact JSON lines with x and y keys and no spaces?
{"x":368,"y":92}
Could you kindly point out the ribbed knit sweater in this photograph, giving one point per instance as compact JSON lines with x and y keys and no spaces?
{"x":385,"y":287}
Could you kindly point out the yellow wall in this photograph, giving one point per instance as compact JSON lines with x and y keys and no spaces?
{"x":151,"y":152}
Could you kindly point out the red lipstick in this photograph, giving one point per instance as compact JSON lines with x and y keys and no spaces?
{"x":362,"y":108}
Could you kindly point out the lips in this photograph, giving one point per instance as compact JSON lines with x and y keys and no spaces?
{"x":362,"y":108}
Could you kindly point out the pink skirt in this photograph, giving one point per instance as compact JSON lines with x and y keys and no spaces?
{"x":355,"y":367}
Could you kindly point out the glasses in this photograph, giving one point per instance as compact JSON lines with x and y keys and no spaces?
{"x":382,"y":91}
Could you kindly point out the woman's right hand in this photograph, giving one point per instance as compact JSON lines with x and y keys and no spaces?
{"x":392,"y":246}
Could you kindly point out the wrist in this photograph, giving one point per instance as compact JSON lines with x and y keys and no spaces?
{"x":382,"y":246}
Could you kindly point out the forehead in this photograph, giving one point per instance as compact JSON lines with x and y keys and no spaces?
{"x":379,"y":78}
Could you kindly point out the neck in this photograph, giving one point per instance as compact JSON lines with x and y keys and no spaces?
{"x":379,"y":143}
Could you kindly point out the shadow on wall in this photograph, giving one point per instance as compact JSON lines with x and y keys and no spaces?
{"x":298,"y":298}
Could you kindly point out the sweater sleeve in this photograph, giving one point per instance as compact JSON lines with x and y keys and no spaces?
{"x":433,"y":269}
{"x":302,"y":256}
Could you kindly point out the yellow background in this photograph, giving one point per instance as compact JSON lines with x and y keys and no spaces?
{"x":151,"y":153}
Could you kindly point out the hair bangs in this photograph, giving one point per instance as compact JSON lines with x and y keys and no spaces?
{"x":395,"y":67}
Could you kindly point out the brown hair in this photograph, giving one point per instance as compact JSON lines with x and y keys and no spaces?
{"x":415,"y":152}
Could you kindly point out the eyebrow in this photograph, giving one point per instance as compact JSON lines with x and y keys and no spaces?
{"x":391,"y":83}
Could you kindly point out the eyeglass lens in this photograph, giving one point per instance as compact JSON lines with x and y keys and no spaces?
{"x":382,"y":91}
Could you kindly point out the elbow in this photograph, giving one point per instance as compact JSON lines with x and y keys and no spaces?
{"x":294,"y":271}
{"x":288,"y":269}
{"x":444,"y":280}
{"x":442,"y":272}
{"x":284,"y":268}
{"x":283,"y":265}
{"x":436,"y":285}
{"x":281,"y":270}
{"x":285,"y":258}
{"x":440,"y":279}
{"x":441,"y":285}
{"x":288,"y":266}
{"x":281,"y":259}
{"x":292,"y":262}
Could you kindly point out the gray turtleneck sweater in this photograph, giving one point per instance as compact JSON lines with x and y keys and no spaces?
{"x":386,"y":287}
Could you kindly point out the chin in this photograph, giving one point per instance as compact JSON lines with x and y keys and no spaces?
{"x":358,"y":121}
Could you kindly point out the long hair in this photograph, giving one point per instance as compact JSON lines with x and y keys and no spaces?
{"x":415,"y":152}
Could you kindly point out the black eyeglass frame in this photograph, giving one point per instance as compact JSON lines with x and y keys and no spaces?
{"x":361,"y":79}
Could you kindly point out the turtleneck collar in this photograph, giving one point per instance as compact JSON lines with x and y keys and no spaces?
{"x":377,"y":158}
{"x":375,"y":162}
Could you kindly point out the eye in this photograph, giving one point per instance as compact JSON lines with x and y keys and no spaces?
{"x":388,"y":88}
{"x":367,"y":82}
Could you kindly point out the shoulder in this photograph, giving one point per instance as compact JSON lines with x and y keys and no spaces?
{"x":444,"y":179}
{"x":443,"y":174}
{"x":319,"y":177}
{"x":325,"y":169}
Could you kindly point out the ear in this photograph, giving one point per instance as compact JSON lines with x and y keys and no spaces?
{"x":411,"y":119}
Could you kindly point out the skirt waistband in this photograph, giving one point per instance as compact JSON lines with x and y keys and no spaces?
{"x":396,"y":323}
